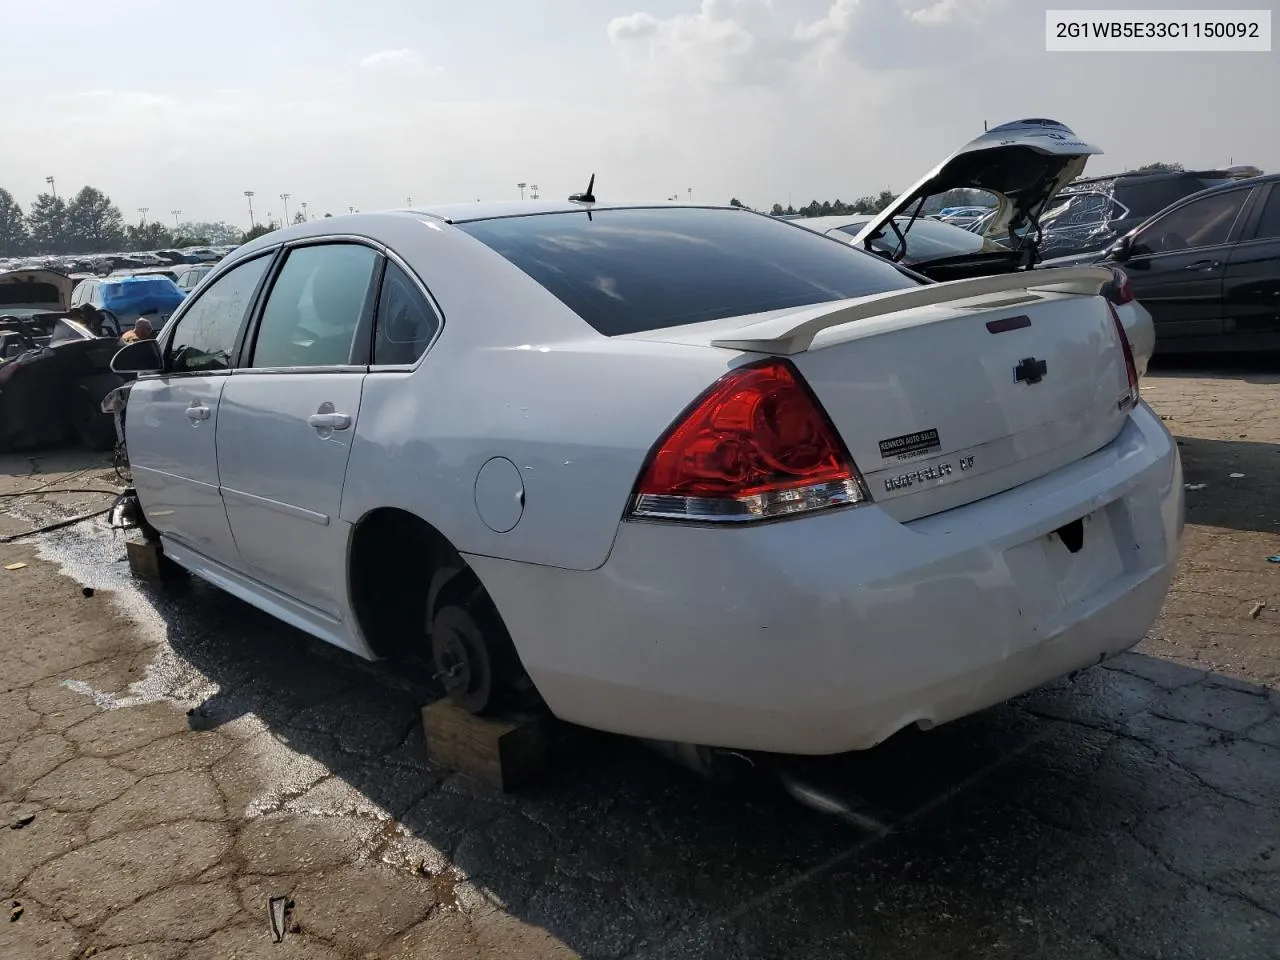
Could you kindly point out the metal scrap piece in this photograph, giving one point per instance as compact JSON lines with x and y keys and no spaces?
{"x":275,"y":914}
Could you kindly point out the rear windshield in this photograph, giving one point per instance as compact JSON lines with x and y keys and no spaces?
{"x":625,"y":271}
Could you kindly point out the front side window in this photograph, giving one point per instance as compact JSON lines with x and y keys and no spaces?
{"x":315,"y":307}
{"x":205,"y":336}
{"x":1201,"y":223}
{"x":406,"y":323}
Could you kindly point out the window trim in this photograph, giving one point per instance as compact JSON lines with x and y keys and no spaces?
{"x":392,"y":257}
{"x":364,"y":328}
{"x":165,"y":341}
{"x":1263,"y":193}
{"x":1233,"y":232}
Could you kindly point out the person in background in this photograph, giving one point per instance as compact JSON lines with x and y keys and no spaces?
{"x":142,"y":330}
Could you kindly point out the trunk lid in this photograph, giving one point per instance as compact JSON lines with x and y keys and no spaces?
{"x":45,"y":290}
{"x":946,"y":402}
{"x":1024,"y":164}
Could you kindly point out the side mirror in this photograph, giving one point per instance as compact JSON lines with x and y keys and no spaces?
{"x":141,"y":356}
{"x":1122,"y":249}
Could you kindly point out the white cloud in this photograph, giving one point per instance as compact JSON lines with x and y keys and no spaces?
{"x":401,"y":60}
{"x":950,"y":11}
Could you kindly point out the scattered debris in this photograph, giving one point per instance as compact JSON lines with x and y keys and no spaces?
{"x":87,"y":591}
{"x":279,"y":912}
{"x":23,"y":821}
{"x":14,"y":566}
{"x":275,"y":914}
{"x":1236,"y":476}
{"x":16,"y":911}
{"x":1257,"y":609}
{"x":1196,"y":486}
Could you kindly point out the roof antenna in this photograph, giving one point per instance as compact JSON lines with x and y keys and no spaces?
{"x":587,"y":197}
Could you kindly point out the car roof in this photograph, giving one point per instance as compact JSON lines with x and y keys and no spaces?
{"x":492,"y":210}
{"x":361,"y":224}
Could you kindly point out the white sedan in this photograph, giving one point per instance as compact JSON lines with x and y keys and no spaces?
{"x":690,"y":474}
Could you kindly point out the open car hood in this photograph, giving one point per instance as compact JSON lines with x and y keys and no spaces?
{"x":1024,"y":164}
{"x":43,"y":289}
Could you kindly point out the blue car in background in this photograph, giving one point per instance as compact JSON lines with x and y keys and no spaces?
{"x":125,"y":299}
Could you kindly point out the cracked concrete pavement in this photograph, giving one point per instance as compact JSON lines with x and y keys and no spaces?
{"x":184,"y":758}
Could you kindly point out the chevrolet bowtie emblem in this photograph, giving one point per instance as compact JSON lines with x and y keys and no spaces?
{"x":1030,"y":371}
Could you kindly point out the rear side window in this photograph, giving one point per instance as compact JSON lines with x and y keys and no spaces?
{"x":1269,"y":225}
{"x":625,"y":271}
{"x":406,"y":323}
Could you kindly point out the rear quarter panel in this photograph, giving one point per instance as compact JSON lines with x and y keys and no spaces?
{"x":515,"y":374}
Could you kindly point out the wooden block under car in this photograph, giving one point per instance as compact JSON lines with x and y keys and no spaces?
{"x":144,"y":558}
{"x":501,"y":753}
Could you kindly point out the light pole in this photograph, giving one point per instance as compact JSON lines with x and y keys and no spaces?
{"x":521,"y":186}
{"x":143,"y":222}
{"x":351,"y":209}
{"x":52,"y":189}
{"x":249,"y":196}
{"x":176,"y":224}
{"x":304,"y":209}
{"x":691,"y":194}
{"x":285,"y":197}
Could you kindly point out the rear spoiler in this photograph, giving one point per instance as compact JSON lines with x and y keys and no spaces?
{"x":794,"y":332}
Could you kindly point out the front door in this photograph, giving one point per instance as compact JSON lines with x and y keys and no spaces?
{"x":173,"y":418}
{"x":1177,"y":265}
{"x":288,"y":418}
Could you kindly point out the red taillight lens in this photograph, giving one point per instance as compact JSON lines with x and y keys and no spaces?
{"x":1120,"y":290}
{"x":1130,"y":367}
{"x":756,"y":445}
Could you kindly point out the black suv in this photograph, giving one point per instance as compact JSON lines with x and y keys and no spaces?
{"x":1093,"y":213}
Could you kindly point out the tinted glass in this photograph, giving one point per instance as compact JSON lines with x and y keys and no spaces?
{"x":406,"y":323}
{"x":1201,"y":223}
{"x":624,"y":271}
{"x":1269,"y":225}
{"x":315,"y":307}
{"x":205,"y":335}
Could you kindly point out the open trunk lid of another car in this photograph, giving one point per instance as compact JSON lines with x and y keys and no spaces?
{"x":1024,"y":164}
{"x":45,"y":291}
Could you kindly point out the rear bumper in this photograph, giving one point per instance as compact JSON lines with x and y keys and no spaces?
{"x":831,"y":633}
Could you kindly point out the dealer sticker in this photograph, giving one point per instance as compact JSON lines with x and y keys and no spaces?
{"x":911,"y":445}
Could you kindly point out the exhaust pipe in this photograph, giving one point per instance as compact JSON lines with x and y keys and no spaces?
{"x":713,"y":763}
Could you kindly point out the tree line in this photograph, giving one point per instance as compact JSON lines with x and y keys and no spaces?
{"x":874,"y":203}
{"x":90,"y":223}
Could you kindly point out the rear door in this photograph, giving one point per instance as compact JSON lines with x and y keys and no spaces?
{"x":173,"y":417}
{"x":288,"y":417}
{"x":1251,"y":287}
{"x":1178,"y":263}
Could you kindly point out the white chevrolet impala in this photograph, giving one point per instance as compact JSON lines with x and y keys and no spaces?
{"x":686,"y":473}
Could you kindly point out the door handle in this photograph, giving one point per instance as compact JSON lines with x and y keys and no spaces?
{"x":1203,"y":265}
{"x":197,"y":411}
{"x":329,"y":421}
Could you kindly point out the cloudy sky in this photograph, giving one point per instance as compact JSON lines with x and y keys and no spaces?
{"x":186,"y":106}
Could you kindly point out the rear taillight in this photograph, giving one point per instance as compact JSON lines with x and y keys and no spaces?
{"x":1130,"y":367}
{"x":757,"y":445}
{"x":1120,"y":290}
